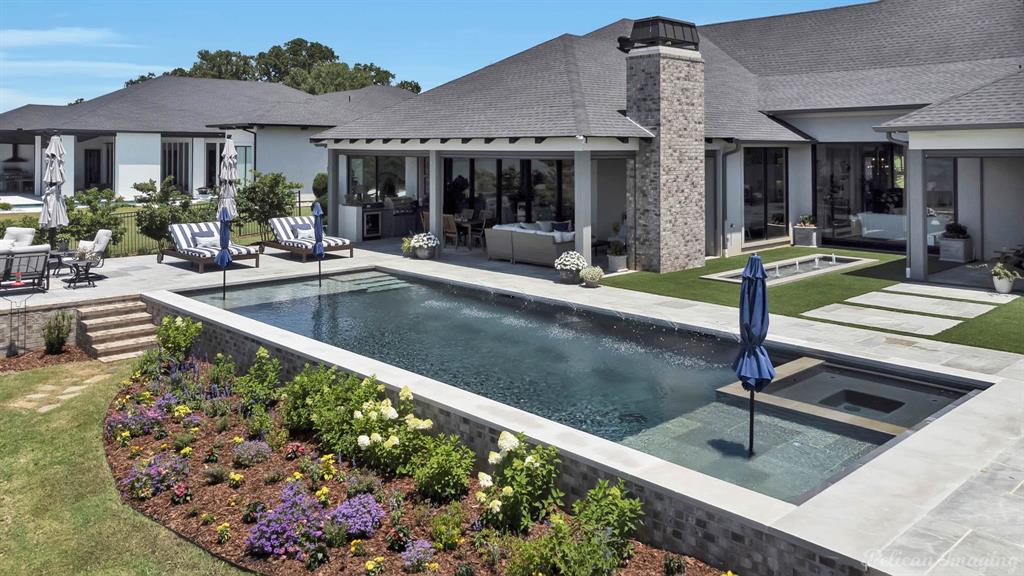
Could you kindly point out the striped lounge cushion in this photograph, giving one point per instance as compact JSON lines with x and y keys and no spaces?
{"x":184,"y":240}
{"x":329,"y":242}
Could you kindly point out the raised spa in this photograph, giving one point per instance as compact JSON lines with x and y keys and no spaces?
{"x":648,"y":387}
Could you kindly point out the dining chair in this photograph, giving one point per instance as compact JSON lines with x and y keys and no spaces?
{"x":451,"y":230}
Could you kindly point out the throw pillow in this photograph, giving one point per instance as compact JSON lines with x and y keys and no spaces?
{"x":545,"y":225}
{"x":6,"y":245}
{"x":565,"y":226}
{"x":206,"y":240}
{"x":564,"y":236}
{"x":88,"y":245}
{"x":305,"y":234}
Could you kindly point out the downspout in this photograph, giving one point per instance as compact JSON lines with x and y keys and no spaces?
{"x":737,"y":144}
{"x":254,"y":155}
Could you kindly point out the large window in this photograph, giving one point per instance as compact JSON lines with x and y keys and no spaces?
{"x":764,"y":194}
{"x":509,"y":189}
{"x":859,"y":194}
{"x":176,"y":162}
{"x":376,"y":178}
{"x":939,"y":196}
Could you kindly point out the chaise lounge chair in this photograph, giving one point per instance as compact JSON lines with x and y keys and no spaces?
{"x":295,"y":234}
{"x":199,"y":243}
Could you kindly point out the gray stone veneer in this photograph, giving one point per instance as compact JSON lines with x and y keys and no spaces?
{"x":665,"y":94}
{"x":28,"y":325}
{"x":673,"y":521}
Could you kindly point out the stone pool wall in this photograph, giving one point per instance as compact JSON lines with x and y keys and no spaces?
{"x":673,"y":521}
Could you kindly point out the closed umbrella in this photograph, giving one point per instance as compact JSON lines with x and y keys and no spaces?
{"x":318,"y":236}
{"x":228,"y":178}
{"x":753,"y":367}
{"x":54,"y":213}
{"x":223,"y":258}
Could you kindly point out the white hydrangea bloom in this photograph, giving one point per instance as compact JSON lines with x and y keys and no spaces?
{"x":391,"y":442}
{"x":494,"y":506}
{"x":357,"y":415}
{"x":485,"y":480}
{"x":375,"y":438}
{"x":481,"y":497}
{"x":506,"y":491}
{"x":493,"y":458}
{"x":390,"y":413}
{"x":507,"y":442}
{"x":405,"y":394}
{"x":363,"y":441}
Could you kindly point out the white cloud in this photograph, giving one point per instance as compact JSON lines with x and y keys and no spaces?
{"x":61,"y":36}
{"x":11,"y":99}
{"x":75,"y":68}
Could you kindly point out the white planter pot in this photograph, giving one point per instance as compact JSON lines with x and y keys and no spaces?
{"x":956,"y":250}
{"x":805,"y":236}
{"x":424,"y":253}
{"x":569,"y":276}
{"x":616,"y":263}
{"x":1003,"y":285}
{"x":590,"y":284}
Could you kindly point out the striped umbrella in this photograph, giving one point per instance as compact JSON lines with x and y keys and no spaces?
{"x":228,"y":179}
{"x":54,"y":213}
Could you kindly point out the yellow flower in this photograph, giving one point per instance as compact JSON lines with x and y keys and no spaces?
{"x":506,"y":491}
{"x":352,"y":546}
{"x":186,"y":451}
{"x":378,"y":559}
{"x":729,"y":573}
{"x":323,"y":495}
{"x":433,"y":566}
{"x":297,"y":476}
{"x":370,"y":565}
{"x":494,"y":506}
{"x":237,"y":440}
{"x":405,"y":394}
{"x":481,"y":497}
{"x":181,"y":411}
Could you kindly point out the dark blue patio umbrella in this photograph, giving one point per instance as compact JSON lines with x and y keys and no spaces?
{"x":223,"y":258}
{"x":752,"y":366}
{"x":318,"y":244}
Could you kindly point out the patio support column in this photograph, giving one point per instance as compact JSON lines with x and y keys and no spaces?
{"x":37,"y":169}
{"x":583,"y":196}
{"x":917,"y":244}
{"x":332,"y":192}
{"x":68,"y":189}
{"x":436,"y":195}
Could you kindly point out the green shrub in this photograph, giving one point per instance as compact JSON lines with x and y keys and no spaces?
{"x":147,"y":366}
{"x":163,"y":205}
{"x":320,"y":190}
{"x":221,"y":372}
{"x":674,"y":565}
{"x":259,"y":424}
{"x":331,"y":413}
{"x":215,"y":474}
{"x":183,"y":440}
{"x":299,"y":392}
{"x":56,"y":331}
{"x":361,"y":482}
{"x":273,"y":477}
{"x":465,"y":570}
{"x":176,"y":336}
{"x":609,"y":509}
{"x":442,"y":474}
{"x":259,"y":385}
{"x":564,"y":550}
{"x":266,"y":196}
{"x":90,"y":211}
{"x":216,"y":407}
{"x":446,"y":527}
{"x":523,"y":487}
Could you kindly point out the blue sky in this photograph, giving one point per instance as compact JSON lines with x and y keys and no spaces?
{"x":52,"y":52}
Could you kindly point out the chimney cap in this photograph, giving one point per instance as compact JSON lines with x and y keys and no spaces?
{"x":661,"y":31}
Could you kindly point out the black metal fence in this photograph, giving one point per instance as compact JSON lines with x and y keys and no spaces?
{"x":133,"y":242}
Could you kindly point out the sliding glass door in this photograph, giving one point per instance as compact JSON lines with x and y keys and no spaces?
{"x":764,"y":194}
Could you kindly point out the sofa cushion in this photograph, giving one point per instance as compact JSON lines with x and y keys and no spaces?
{"x":545,"y":225}
{"x":6,"y":245}
{"x":529,"y":226}
{"x":20,"y":236}
{"x":565,"y":226}
{"x":561,"y":236}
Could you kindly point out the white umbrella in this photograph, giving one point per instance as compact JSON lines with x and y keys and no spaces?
{"x":54,"y":213}
{"x":228,"y":178}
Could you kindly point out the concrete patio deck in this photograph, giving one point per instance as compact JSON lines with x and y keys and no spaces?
{"x":893,"y":512}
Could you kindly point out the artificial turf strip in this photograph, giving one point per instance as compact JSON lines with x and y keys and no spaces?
{"x":1000,"y":329}
{"x":59,"y":510}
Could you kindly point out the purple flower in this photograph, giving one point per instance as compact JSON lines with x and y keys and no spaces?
{"x":290,"y":529}
{"x":417,"y":555}
{"x":192,"y":421}
{"x":137,"y":420}
{"x":251,"y":452}
{"x":361,"y":515}
{"x":155,"y":475}
{"x":166,"y":402}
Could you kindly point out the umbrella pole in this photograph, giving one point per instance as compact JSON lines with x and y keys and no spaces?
{"x":750,"y":449}
{"x":320,"y":272}
{"x":224,"y":284}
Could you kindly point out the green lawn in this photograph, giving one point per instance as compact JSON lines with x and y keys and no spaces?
{"x":59,"y":511}
{"x":999,"y":329}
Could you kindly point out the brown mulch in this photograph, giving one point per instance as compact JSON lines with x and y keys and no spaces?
{"x":39,"y":358}
{"x":184,"y":518}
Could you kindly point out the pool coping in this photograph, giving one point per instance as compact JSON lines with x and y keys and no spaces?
{"x":771,"y":281}
{"x":828,"y":521}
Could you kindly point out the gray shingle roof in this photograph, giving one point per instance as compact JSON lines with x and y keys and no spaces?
{"x":567,"y":86}
{"x":328,"y":109}
{"x":998,"y":104}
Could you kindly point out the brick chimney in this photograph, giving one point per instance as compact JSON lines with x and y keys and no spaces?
{"x":665,"y":94}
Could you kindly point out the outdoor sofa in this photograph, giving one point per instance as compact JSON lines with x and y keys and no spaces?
{"x":20,"y":259}
{"x":199,"y":244}
{"x":528,"y":242}
{"x":294,"y":234}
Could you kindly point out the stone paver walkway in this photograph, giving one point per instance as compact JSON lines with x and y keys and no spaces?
{"x":885,"y":319}
{"x":46,"y":397}
{"x":925,"y":305}
{"x":938,"y":291}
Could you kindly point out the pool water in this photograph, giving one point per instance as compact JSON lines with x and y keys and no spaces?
{"x":643,"y":386}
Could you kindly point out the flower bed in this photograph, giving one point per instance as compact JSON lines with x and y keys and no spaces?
{"x":325,"y":473}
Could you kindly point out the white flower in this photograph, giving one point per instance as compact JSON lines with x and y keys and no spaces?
{"x":425,"y":424}
{"x":424,"y":240}
{"x":507,"y":442}
{"x":391,"y":442}
{"x":372,"y":415}
{"x":485,"y":480}
{"x":357,"y":415}
{"x":405,"y":394}
{"x":571,"y":260}
{"x":390,"y":413}
{"x":375,"y":438}
{"x":481,"y":497}
{"x":493,"y":458}
{"x":531,"y":461}
{"x":363,"y":441}
{"x":506,"y":491}
{"x":494,"y":506}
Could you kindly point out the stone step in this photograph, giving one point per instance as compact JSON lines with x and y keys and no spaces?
{"x":118,"y":347}
{"x":120,"y":321}
{"x":93,"y":337}
{"x":112,"y":309}
{"x":119,"y":357}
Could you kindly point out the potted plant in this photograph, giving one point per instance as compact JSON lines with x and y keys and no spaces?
{"x":569,"y":265}
{"x":616,"y":256}
{"x":955,"y":244}
{"x":591,"y":276}
{"x":407,"y":246}
{"x":1003,"y":278}
{"x":805,"y":232}
{"x":423,"y":245}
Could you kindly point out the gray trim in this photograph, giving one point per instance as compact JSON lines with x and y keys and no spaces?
{"x":933,"y":127}
{"x":975,"y":153}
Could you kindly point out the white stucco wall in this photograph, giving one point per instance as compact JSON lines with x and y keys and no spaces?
{"x":136,"y":159}
{"x":853,"y":126}
{"x":1002,"y":203}
{"x":289,"y":151}
{"x":799,"y":171}
{"x":968,"y":197}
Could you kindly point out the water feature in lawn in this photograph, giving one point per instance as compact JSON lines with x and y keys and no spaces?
{"x":785,"y":271}
{"x":644,"y":386}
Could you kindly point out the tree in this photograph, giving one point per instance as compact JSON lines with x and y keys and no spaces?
{"x":90,"y":211}
{"x":142,"y":78}
{"x":166,"y":205}
{"x":410,"y":85}
{"x":76,"y":101}
{"x":373,"y":74}
{"x":225,"y":64}
{"x":278,"y":62}
{"x":266,"y":196}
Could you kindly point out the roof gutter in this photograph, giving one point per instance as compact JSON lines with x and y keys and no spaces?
{"x":889,"y":136}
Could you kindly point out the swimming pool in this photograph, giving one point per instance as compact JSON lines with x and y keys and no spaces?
{"x":644,"y":386}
